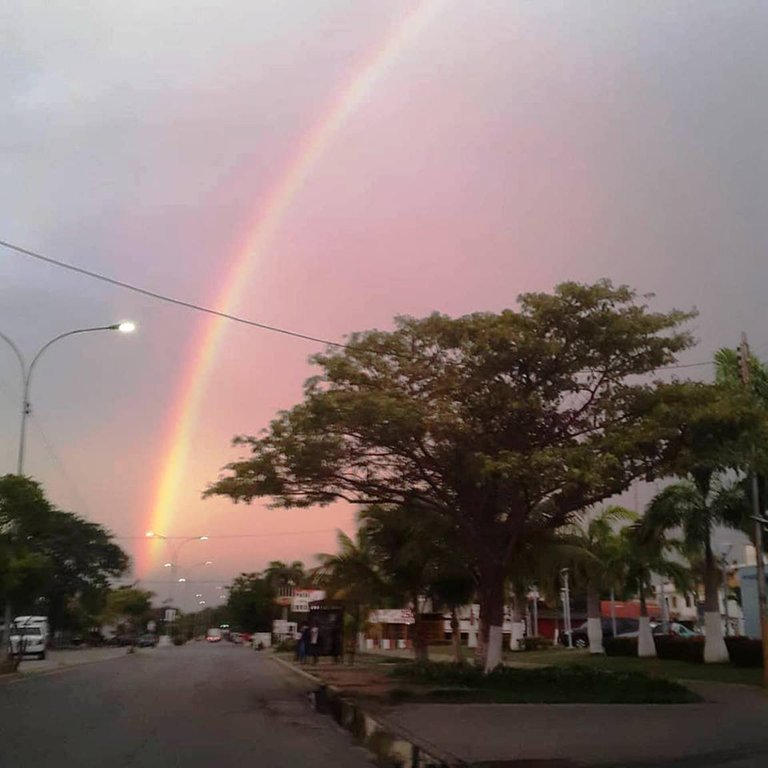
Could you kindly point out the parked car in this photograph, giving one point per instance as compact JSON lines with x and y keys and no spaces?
{"x":213,"y":635}
{"x":624,"y":628}
{"x":147,"y":640}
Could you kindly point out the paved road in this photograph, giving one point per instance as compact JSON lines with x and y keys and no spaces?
{"x":198,"y":706}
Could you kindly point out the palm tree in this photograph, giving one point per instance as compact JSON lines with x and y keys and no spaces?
{"x":279,"y":574}
{"x":352,"y":575}
{"x":696,"y":505}
{"x":417,"y":553}
{"x":645,"y":553}
{"x":599,"y":561}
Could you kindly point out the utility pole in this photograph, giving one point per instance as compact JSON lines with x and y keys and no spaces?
{"x":744,"y":362}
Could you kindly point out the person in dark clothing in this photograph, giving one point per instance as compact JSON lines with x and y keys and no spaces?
{"x":336,"y":645}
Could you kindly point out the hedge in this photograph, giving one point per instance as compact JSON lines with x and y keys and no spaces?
{"x":689,"y":649}
{"x":745,"y":651}
{"x":620,"y":646}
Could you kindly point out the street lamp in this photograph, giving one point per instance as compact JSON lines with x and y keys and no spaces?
{"x":26,"y":374}
{"x":567,"y":606}
{"x":173,"y":563}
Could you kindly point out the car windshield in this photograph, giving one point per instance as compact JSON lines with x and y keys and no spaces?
{"x":30,"y":631}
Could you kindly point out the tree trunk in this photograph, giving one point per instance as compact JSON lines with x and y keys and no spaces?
{"x":645,"y":645}
{"x":594,"y":622}
{"x":491,"y":612}
{"x":420,"y":645}
{"x":458,"y":656}
{"x":715,"y":650}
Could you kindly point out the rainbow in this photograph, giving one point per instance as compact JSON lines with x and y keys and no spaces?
{"x":195,"y":376}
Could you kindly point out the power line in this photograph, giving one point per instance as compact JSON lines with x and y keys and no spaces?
{"x":216,"y":313}
{"x":167,"y":299}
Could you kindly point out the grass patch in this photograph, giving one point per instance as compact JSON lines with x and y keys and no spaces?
{"x":573,"y":683}
{"x":680,"y":670}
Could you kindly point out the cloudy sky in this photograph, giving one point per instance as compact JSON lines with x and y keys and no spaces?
{"x":487,"y":149}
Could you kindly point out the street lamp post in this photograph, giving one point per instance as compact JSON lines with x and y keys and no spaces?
{"x":27,"y":371}
{"x":567,"y":606}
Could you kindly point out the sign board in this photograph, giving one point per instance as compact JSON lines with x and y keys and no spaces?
{"x":392,"y":616}
{"x":303,"y":597}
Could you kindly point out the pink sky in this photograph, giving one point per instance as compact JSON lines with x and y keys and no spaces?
{"x":507,"y":147}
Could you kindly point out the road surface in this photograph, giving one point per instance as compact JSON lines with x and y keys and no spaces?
{"x":198,"y":706}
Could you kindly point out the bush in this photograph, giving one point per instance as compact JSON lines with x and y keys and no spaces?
{"x":537,"y":643}
{"x":620,"y":646}
{"x":745,"y":651}
{"x":690,"y":649}
{"x":568,"y":683}
{"x":178,"y":640}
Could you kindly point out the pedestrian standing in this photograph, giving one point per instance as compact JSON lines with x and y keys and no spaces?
{"x":301,"y":646}
{"x":314,"y":645}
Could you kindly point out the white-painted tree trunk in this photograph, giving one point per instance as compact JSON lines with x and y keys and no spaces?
{"x":493,"y":651}
{"x":595,"y":635}
{"x":517,"y":636}
{"x":645,"y":645}
{"x":715,"y":649}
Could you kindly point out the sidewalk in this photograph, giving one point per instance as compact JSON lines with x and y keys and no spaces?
{"x":56,"y":660}
{"x":727,"y":729}
{"x":729,"y":726}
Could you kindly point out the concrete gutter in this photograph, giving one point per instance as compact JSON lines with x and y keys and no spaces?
{"x":393,"y":746}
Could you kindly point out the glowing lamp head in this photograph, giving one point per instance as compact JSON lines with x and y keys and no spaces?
{"x":150,"y":534}
{"x":203,"y":538}
{"x":126,"y":326}
{"x":182,"y":580}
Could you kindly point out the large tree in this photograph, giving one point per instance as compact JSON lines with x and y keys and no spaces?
{"x":488,"y":419}
{"x":81,"y":555}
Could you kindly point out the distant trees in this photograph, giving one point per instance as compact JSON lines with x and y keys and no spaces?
{"x":130,"y":605}
{"x":251,"y":603}
{"x":488,"y":420}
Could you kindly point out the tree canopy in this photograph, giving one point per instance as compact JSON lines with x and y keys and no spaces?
{"x":66,"y":556}
{"x":494,"y":421}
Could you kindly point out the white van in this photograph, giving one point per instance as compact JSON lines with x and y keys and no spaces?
{"x":29,"y":635}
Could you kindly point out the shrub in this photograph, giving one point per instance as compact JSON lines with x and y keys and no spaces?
{"x":568,"y":683}
{"x":745,"y":651}
{"x":178,"y":640}
{"x":537,"y":643}
{"x":690,"y":649}
{"x":620,"y":646}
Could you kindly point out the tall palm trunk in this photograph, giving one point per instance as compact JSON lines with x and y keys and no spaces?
{"x":594,"y":622}
{"x":5,"y":635}
{"x":715,"y":650}
{"x":645,"y":645}
{"x":517,"y":637}
{"x":458,"y":656}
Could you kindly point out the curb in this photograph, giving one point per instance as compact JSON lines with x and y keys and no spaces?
{"x":392,"y":745}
